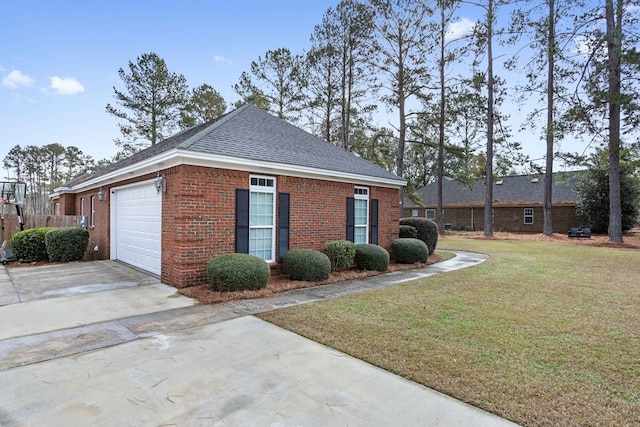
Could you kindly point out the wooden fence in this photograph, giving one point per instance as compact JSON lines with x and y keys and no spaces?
{"x":11,"y":225}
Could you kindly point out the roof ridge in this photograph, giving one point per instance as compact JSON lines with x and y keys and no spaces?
{"x":328,"y":143}
{"x":215,"y":123}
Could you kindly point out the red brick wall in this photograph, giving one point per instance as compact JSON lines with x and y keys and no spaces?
{"x":67,"y":204}
{"x":509,"y":218}
{"x":512,"y":219}
{"x":388,"y":214}
{"x":99,"y":233}
{"x":199,"y":216}
{"x":317,"y":210}
{"x":198,"y":220}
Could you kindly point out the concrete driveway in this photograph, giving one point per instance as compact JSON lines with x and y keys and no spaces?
{"x":102,"y":344}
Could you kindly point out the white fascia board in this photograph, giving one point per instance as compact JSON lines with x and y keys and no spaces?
{"x":58,"y":191}
{"x":161,"y":161}
{"x":176,"y":157}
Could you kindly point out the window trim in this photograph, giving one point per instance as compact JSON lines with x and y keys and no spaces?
{"x":358,"y":195}
{"x":269,"y":190}
{"x":528,"y":216}
{"x":426,"y":214}
{"x":415,"y":213}
{"x":93,"y":211}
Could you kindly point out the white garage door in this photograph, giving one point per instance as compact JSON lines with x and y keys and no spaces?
{"x":137,"y":226}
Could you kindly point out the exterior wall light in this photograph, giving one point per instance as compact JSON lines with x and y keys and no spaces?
{"x":161,"y":184}
{"x":102,"y":195}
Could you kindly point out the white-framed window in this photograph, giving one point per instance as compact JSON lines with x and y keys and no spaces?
{"x":430,"y":214}
{"x":361,"y":215}
{"x":262,"y":214}
{"x":414,"y":212}
{"x":93,"y":211}
{"x":56,"y":210}
{"x":81,"y":206}
{"x":528,"y":215}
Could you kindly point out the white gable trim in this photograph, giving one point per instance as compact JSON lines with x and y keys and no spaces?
{"x":177,"y":157}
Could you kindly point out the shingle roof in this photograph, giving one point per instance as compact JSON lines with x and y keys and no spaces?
{"x":253,"y":134}
{"x":511,"y":190}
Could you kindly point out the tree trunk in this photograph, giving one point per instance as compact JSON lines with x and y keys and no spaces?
{"x":614,"y":47}
{"x":547,"y":227}
{"x":347,"y":119}
{"x":488,"y":204}
{"x":439,"y":213}
{"x":343,"y":99}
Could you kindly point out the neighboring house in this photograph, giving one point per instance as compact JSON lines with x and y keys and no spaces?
{"x":517,"y":203}
{"x":246,"y":182}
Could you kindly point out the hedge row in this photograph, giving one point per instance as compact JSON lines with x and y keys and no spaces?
{"x":237,"y":272}
{"x":341,"y":253}
{"x":50,"y":244}
{"x":426,"y":230}
{"x":409,"y":251}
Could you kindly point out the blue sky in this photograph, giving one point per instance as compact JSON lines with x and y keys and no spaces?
{"x":59,"y":59}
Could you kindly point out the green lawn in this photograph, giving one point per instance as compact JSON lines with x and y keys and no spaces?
{"x":542,"y":333}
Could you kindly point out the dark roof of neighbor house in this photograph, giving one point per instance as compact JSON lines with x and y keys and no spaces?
{"x":515,"y":190}
{"x":253,"y":134}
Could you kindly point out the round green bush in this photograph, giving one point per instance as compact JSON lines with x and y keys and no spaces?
{"x":29,"y":245}
{"x":341,"y":254}
{"x":306,"y":264}
{"x":66,"y":244}
{"x":408,"y":232}
{"x":427,"y":230}
{"x":371,"y":257}
{"x":237,"y":272}
{"x":409,"y":251}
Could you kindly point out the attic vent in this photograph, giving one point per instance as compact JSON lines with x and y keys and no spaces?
{"x":534,"y":180}
{"x":499,"y":182}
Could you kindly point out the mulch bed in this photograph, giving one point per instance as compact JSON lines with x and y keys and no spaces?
{"x":278,"y":283}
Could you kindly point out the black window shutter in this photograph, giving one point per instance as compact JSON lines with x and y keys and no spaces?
{"x":283,"y":225}
{"x":373,"y":227}
{"x":351,"y":219}
{"x":242,"y":221}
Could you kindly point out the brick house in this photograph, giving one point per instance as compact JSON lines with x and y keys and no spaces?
{"x":517,"y":203}
{"x":245,"y":182}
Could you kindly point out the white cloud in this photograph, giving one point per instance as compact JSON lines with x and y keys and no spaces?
{"x":219,"y":59}
{"x":16,"y":79}
{"x":460,"y":28}
{"x":581,"y":46}
{"x":66,"y":86}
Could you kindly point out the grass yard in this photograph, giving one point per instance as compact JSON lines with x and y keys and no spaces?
{"x":543,"y":333}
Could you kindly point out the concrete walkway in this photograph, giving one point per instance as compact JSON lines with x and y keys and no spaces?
{"x":155,"y":358}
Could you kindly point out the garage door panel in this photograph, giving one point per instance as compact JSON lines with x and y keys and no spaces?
{"x":138,"y":227}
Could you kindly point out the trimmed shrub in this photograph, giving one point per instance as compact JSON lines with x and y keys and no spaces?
{"x":341,"y":254}
{"x":409,"y":251}
{"x":427,"y":230}
{"x":29,"y":245}
{"x":306,"y":264}
{"x":371,"y":257}
{"x":408,"y":232}
{"x":237,"y":272}
{"x":66,"y":244}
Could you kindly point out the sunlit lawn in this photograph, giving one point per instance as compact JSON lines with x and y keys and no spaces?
{"x":542,"y":333}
